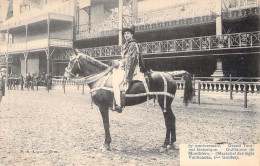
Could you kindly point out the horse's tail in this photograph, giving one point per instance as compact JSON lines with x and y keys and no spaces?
{"x":188,"y":89}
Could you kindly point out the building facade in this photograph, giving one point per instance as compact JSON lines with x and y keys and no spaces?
{"x":32,"y":38}
{"x":206,"y":38}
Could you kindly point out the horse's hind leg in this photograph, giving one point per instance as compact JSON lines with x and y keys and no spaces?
{"x":169,"y":123}
{"x":105,"y":116}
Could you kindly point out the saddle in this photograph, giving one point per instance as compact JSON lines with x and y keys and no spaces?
{"x":140,"y":78}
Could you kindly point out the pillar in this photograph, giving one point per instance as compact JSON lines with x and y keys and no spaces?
{"x":6,"y":55}
{"x":48,"y":55}
{"x":25,"y":54}
{"x":218,"y":72}
{"x":120,"y":21}
{"x":219,"y":17}
{"x":47,"y":51}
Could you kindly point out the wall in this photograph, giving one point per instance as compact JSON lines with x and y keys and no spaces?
{"x":37,"y":32}
{"x":16,"y":7}
{"x":33,"y":33}
{"x":32,"y":64}
{"x":61,"y":30}
{"x":43,"y":63}
{"x":19,"y":37}
{"x":258,"y":65}
{"x":83,"y":17}
{"x":97,"y":13}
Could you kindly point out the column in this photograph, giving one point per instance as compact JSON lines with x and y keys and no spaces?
{"x":219,"y":17}
{"x":26,"y":36}
{"x":218,"y":72}
{"x":47,"y":51}
{"x":120,"y":20}
{"x":135,"y":10}
{"x":25,"y":54}
{"x":6,"y":55}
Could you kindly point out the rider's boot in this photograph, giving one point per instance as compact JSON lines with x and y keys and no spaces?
{"x":116,"y":107}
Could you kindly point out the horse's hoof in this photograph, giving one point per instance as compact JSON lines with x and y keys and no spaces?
{"x":163,"y":149}
{"x":105,"y":148}
{"x":173,"y":147}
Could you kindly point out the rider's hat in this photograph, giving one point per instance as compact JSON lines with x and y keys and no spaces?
{"x":129,"y":29}
{"x":3,"y":69}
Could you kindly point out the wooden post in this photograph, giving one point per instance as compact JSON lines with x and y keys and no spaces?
{"x":245,"y":95}
{"x":63,"y":84}
{"x":199,"y":86}
{"x":83,"y":89}
{"x":230,"y":88}
{"x":147,"y":102}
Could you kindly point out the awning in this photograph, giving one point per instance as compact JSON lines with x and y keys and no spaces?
{"x":21,"y":21}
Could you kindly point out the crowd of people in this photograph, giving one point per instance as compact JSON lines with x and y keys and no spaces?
{"x":29,"y":82}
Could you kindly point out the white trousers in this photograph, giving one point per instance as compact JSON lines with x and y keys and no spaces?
{"x":117,"y":80}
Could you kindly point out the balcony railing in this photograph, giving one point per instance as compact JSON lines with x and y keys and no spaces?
{"x":61,"y":43}
{"x":239,"y":4}
{"x":35,"y":44}
{"x":190,"y":13}
{"x":203,"y":43}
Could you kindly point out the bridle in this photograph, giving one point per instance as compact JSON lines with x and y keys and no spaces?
{"x":68,"y":70}
{"x":88,"y":79}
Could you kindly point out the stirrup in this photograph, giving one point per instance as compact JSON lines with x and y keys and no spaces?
{"x":116,"y":108}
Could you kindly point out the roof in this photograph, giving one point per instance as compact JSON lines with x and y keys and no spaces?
{"x":21,"y":21}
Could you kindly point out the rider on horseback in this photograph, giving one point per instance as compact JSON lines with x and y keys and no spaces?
{"x":131,"y":63}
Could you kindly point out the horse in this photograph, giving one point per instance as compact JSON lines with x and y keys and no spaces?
{"x":96,"y":73}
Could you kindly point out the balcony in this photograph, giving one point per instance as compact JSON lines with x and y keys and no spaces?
{"x":170,"y":17}
{"x":203,"y":43}
{"x":35,"y":45}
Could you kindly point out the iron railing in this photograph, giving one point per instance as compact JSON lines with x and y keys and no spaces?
{"x":226,"y":41}
{"x":178,"y":13}
{"x":35,"y":44}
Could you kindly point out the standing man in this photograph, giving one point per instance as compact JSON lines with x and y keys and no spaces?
{"x":21,"y":81}
{"x":131,"y":63}
{"x":2,"y":83}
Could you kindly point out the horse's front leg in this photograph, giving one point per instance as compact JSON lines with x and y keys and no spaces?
{"x":105,"y":116}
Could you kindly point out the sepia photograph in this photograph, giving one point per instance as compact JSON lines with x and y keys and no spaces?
{"x":129,"y":82}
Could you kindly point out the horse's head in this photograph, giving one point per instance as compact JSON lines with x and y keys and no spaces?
{"x":73,"y":67}
{"x":83,"y":65}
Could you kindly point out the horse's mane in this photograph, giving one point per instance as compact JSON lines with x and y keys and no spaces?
{"x":93,"y":60}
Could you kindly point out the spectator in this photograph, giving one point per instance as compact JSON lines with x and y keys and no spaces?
{"x":21,"y":81}
{"x":32,"y":82}
{"x":8,"y":81}
{"x":2,"y":83}
{"x":28,"y":80}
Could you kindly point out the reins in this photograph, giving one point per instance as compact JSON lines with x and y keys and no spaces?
{"x":92,"y":78}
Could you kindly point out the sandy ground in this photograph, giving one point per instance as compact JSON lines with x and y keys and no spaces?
{"x":40,"y":128}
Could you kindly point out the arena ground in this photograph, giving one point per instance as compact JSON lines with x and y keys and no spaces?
{"x":40,"y":128}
